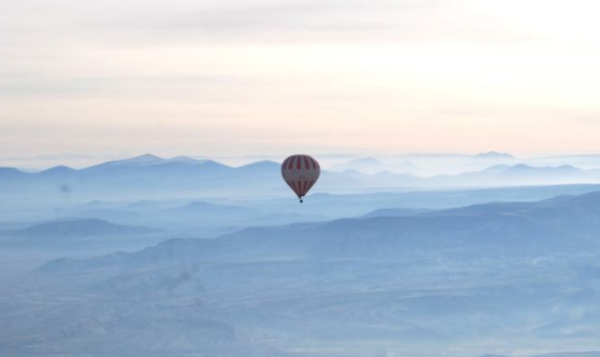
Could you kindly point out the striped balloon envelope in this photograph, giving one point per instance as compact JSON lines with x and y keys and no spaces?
{"x":300,"y":172}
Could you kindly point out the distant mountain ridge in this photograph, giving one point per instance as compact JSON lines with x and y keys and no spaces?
{"x":149,"y":176}
{"x":494,"y":155}
{"x":74,"y":229}
{"x":502,"y":228}
{"x":203,"y":209}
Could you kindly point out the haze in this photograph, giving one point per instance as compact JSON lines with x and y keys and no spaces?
{"x":253,"y":77}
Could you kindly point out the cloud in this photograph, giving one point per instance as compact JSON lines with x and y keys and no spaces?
{"x":124,"y":87}
{"x":136,"y":22}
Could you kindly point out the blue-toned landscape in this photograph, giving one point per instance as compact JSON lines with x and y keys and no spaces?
{"x":149,"y":256}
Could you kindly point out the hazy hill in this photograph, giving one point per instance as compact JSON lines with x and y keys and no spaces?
{"x":367,"y":165}
{"x":494,"y":155}
{"x":112,"y":215}
{"x":503,"y":175}
{"x":60,"y":172}
{"x":560,"y":225}
{"x":153,"y":206}
{"x":153,"y":167}
{"x":422,"y":284}
{"x":8,"y":174}
{"x":396,"y":212}
{"x":204,"y":210}
{"x":260,"y":167}
{"x":75,"y":229}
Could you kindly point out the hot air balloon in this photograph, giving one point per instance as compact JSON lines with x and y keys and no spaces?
{"x":300,"y":172}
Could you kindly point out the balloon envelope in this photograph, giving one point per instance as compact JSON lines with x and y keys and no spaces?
{"x":300,"y":172}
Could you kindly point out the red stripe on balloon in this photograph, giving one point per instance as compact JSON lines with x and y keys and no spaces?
{"x":289,"y":183}
{"x":291,"y":163}
{"x":306,"y":163}
{"x":294,"y":188}
{"x":298,"y":162}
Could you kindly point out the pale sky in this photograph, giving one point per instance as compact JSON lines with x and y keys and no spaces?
{"x":233,"y":77}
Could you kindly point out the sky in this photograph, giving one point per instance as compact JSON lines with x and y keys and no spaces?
{"x":239,"y":77}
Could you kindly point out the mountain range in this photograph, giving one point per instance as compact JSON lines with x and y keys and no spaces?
{"x":524,"y":228}
{"x":78,"y":237}
{"x":420,"y":284}
{"x":149,"y":176}
{"x":75,"y":228}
